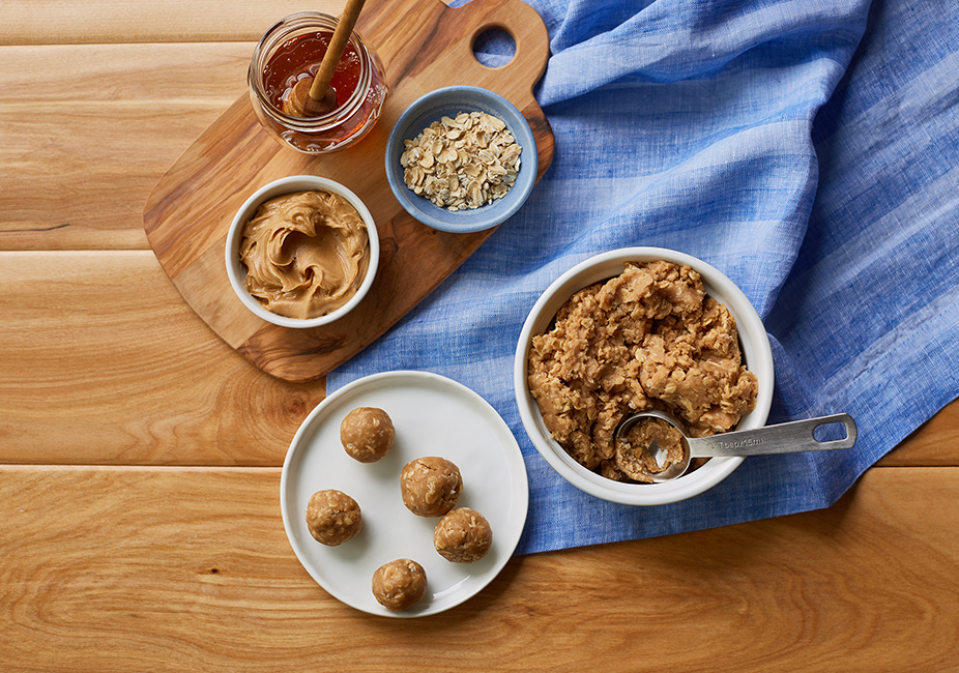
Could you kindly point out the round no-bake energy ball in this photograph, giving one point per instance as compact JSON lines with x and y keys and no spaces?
{"x":431,"y":486}
{"x":367,"y":434}
{"x":400,"y":584}
{"x":333,"y":517}
{"x":463,"y":536}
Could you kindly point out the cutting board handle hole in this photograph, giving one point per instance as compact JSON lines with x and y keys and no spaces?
{"x":494,"y":46}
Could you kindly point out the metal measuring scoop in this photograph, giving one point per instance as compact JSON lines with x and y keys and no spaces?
{"x":793,"y":437}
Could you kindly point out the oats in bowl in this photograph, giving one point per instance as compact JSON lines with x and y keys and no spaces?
{"x":461,"y":162}
{"x":461,"y":159}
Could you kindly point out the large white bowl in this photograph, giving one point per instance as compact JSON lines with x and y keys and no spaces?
{"x":295,"y":183}
{"x":756,"y":354}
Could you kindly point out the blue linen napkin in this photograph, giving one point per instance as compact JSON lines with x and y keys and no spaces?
{"x":810,"y":151}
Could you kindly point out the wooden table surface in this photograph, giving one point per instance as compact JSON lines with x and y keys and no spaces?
{"x":140,"y":457}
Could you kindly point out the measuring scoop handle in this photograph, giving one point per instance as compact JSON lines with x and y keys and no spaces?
{"x":793,"y":437}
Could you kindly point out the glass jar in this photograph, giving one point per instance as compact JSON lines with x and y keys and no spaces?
{"x":292,"y":49}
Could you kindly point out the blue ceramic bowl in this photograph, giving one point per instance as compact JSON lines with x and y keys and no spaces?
{"x":450,"y":101}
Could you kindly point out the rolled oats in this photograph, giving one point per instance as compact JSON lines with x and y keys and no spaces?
{"x":463,"y":162}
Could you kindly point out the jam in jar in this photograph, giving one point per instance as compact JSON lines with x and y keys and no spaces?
{"x":292,"y":50}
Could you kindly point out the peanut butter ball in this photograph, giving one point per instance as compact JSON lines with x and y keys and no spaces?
{"x":400,"y":584}
{"x":333,"y":517}
{"x":430,"y":486}
{"x":463,"y":536}
{"x":367,"y":434}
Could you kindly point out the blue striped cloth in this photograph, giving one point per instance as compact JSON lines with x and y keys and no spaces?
{"x":808,"y":150}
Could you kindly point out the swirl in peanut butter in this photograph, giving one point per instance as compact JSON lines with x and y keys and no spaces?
{"x":306,"y":254}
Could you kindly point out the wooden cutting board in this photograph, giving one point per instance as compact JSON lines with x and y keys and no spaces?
{"x":424,"y":45}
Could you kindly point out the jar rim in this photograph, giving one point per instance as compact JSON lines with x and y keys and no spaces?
{"x":283,"y":30}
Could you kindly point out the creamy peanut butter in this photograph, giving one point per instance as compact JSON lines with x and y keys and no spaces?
{"x":306,"y":254}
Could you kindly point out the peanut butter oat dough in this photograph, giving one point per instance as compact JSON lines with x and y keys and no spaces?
{"x":636,"y":461}
{"x":430,"y":486}
{"x":648,"y":338}
{"x":367,"y":434}
{"x":463,"y":536}
{"x":333,"y":517}
{"x":400,"y":584}
{"x":306,"y":254}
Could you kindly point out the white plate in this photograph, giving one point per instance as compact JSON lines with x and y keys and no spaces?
{"x":433,"y":416}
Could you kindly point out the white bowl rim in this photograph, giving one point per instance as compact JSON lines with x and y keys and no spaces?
{"x":287,"y":185}
{"x":756,"y":351}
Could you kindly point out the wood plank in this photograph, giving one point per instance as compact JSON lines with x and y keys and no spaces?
{"x":76,"y":175}
{"x":103,"y":362}
{"x":116,"y":21}
{"x":936,"y":442}
{"x":132,"y":569}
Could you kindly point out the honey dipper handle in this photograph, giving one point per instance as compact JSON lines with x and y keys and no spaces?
{"x":344,"y":28}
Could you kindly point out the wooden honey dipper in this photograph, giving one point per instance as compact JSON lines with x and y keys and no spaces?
{"x":312,"y":98}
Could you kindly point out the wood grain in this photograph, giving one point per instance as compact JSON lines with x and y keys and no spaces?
{"x":935,"y":443}
{"x":423,"y":45}
{"x":119,"y":21}
{"x":103,"y":363}
{"x":199,"y":576}
{"x":75,"y":175}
